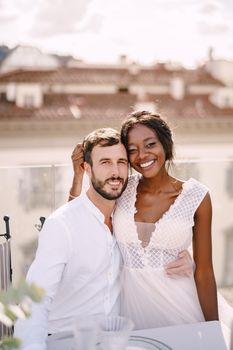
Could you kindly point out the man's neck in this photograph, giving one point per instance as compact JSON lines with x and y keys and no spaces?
{"x":106,"y":206}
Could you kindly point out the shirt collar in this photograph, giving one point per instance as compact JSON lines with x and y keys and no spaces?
{"x":90,"y":205}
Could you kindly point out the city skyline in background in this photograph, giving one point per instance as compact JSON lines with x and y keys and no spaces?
{"x":179,"y":31}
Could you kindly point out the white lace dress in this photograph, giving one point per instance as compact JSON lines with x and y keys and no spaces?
{"x":150,"y":297}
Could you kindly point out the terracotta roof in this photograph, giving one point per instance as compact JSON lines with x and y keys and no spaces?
{"x":198,"y":76}
{"x":94,"y":100}
{"x":117,"y":76}
{"x":61,"y":106}
{"x":22,"y":76}
{"x":69,"y":76}
{"x":104,"y":106}
{"x":192,"y":106}
{"x":152,"y":76}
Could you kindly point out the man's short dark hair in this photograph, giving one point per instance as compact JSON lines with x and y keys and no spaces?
{"x":103,"y":137}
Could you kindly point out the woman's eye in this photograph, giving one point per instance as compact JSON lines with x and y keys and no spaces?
{"x":151,"y":144}
{"x":131,"y":150}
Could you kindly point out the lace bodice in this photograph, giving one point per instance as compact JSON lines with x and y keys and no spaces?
{"x":145,"y":230}
{"x":172,"y":232}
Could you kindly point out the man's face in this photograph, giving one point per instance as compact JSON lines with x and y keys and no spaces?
{"x":109,"y":170}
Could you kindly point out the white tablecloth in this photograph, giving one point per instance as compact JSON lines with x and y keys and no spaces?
{"x":198,"y":336}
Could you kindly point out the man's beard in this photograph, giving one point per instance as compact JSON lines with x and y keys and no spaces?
{"x":99,"y":185}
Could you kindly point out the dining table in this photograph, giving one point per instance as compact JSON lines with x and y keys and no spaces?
{"x":212,"y":335}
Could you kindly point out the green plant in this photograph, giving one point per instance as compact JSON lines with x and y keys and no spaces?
{"x":16,"y":303}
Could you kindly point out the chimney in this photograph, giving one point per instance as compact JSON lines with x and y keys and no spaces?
{"x":123,"y":59}
{"x":177,"y":88}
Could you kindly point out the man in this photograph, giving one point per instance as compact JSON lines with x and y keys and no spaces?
{"x":78,"y":261}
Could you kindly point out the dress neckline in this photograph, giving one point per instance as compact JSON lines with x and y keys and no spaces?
{"x":184,"y":187}
{"x":144,"y":223}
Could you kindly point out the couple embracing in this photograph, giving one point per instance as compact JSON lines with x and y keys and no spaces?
{"x":121,"y":247}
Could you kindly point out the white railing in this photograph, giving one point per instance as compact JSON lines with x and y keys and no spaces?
{"x":31,"y":192}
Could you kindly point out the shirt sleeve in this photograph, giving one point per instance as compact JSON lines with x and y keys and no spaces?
{"x":46,"y":272}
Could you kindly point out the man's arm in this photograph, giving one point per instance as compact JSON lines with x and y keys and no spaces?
{"x":78,"y":167}
{"x":46,"y":271}
{"x":33,"y":331}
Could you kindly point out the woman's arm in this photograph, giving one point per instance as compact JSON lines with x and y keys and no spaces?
{"x":202,"y":253}
{"x":78,"y":167}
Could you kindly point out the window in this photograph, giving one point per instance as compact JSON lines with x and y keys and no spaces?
{"x":28,"y":101}
{"x":3,"y":97}
{"x":227,"y":101}
{"x":123,"y":89}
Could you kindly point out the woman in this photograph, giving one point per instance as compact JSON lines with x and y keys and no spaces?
{"x":156,"y":218}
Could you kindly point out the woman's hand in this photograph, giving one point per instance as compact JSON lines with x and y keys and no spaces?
{"x":78,"y":160}
{"x":78,"y":167}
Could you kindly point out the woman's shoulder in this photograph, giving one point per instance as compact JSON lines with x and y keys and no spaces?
{"x":194,"y":185}
{"x":130,"y":192}
{"x":193,"y":194}
{"x":134,"y":178}
{"x":133,"y":181}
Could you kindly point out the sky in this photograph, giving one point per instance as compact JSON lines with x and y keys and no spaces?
{"x":146,"y":31}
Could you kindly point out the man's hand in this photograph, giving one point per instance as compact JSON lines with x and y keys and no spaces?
{"x":183,"y":266}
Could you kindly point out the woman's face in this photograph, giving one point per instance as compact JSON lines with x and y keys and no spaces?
{"x":146,"y":153}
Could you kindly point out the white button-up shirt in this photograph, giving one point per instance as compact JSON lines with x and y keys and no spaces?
{"x":78,"y":264}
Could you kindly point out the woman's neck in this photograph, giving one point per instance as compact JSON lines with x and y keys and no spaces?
{"x":159,"y":183}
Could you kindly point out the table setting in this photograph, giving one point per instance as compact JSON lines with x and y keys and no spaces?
{"x":116,"y":333}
